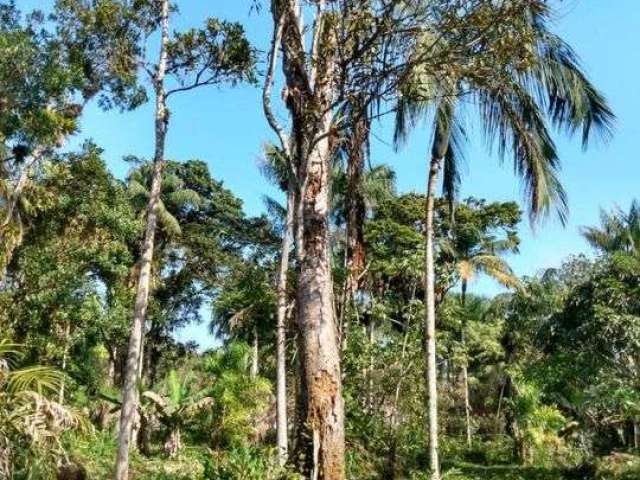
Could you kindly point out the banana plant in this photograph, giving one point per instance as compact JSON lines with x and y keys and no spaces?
{"x":175,"y":406}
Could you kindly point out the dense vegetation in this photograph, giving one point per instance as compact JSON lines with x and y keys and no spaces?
{"x":351,"y":343}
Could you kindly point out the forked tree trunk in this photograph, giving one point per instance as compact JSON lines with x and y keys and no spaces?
{"x":130,"y":390}
{"x":281,"y":333}
{"x":309,"y":98}
{"x":431,"y":377}
{"x":321,"y":355}
{"x":21,"y":183}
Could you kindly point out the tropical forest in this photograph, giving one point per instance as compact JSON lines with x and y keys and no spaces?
{"x":319,"y":240}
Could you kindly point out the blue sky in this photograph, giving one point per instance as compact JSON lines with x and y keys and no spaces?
{"x":226,"y":128}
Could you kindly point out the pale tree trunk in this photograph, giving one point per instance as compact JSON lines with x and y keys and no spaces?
{"x":430,"y":323}
{"x":65,"y":353}
{"x":130,"y":391}
{"x":7,"y":242}
{"x":113,"y":354}
{"x":321,"y":355}
{"x":174,"y":443}
{"x":371,"y":341}
{"x":465,"y":370}
{"x":281,"y":333}
{"x":309,"y":98}
{"x":255,"y":352}
{"x":20,"y":185}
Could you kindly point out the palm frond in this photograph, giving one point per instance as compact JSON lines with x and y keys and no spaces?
{"x":38,"y":379}
{"x":513,"y":121}
{"x":497,"y":268}
{"x":185,"y":197}
{"x":169,"y":223}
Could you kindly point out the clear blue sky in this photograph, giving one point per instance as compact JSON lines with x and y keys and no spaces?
{"x":227,"y":129}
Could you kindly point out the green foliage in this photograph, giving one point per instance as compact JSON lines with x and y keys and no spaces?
{"x":31,"y":423}
{"x":243,"y":402}
{"x":249,"y":464}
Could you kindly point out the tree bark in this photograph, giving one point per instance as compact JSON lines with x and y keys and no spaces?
{"x":309,"y":97}
{"x":430,"y":322}
{"x":113,"y":355}
{"x":21,"y":183}
{"x":130,"y":389}
{"x":325,"y":410}
{"x":65,"y":353}
{"x":355,"y":201}
{"x":281,"y":333}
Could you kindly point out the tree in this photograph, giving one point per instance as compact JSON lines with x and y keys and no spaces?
{"x":526,"y":81}
{"x":176,"y":407}
{"x":65,"y":288}
{"x":35,"y":116}
{"x":619,"y":231}
{"x":213,"y":55}
{"x":473,"y":246}
{"x":276,"y":169}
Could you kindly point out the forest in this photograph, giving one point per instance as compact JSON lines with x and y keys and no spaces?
{"x":350,"y":336}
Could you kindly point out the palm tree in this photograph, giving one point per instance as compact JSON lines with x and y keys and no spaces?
{"x":474,"y":252}
{"x":354,"y":196}
{"x":30,"y":422}
{"x":514,"y":103}
{"x":175,"y":406}
{"x":619,"y":231}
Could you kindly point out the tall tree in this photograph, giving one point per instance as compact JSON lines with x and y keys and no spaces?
{"x":474,"y":247}
{"x":212,"y":55}
{"x":525,"y":81}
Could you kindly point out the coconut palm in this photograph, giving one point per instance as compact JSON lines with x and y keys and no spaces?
{"x":619,"y":231}
{"x":537,"y":82}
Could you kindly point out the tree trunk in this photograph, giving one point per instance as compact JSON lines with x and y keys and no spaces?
{"x":130,"y":390}
{"x":430,"y":323}
{"x":355,"y":202}
{"x":369,"y":376}
{"x":65,"y":353}
{"x":309,"y":98}
{"x":21,"y":183}
{"x":7,"y":241}
{"x":255,"y":352}
{"x":113,"y":355}
{"x":174,"y":443}
{"x":281,"y":333}
{"x":465,"y":369}
{"x":321,"y":354}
